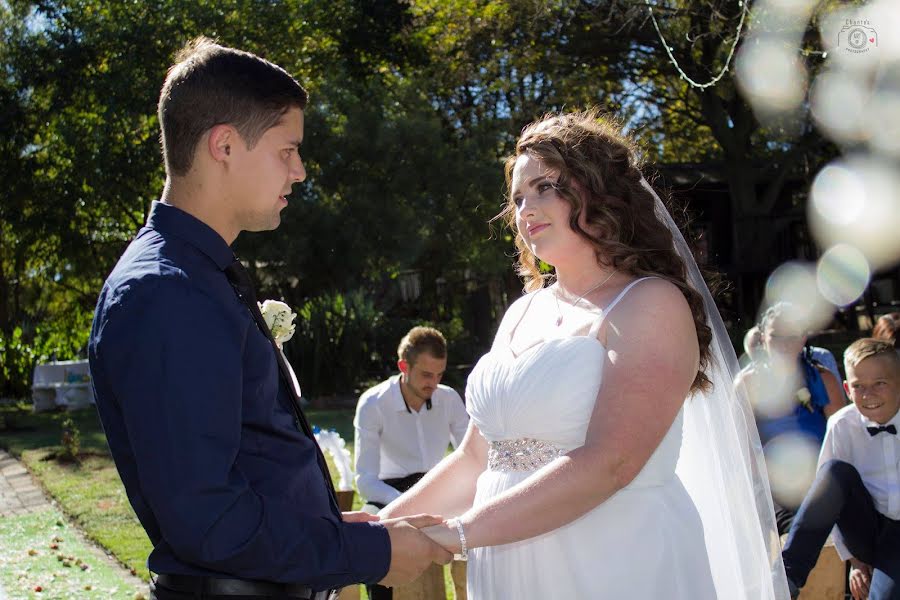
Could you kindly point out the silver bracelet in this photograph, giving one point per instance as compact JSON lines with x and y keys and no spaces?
{"x":463,"y":549}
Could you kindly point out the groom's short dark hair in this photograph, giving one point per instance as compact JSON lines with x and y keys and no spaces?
{"x":211,"y":85}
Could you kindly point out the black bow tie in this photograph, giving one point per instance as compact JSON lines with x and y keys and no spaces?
{"x":873,"y":431}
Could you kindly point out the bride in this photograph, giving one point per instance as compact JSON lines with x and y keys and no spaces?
{"x":607,"y":455}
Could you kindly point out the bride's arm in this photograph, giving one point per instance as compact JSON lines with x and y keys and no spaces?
{"x":449,"y":488}
{"x":651,"y":361}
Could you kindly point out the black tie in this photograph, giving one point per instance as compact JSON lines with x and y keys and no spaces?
{"x":873,"y":431}
{"x":243,"y":285}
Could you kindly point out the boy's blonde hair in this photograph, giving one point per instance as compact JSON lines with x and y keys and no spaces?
{"x":865,"y":348}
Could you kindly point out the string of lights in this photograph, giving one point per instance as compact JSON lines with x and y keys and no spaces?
{"x":744,"y":10}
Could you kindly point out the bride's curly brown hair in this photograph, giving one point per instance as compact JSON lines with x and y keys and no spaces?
{"x":600,"y":176}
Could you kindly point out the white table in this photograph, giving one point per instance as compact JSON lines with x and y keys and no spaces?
{"x":64,"y":383}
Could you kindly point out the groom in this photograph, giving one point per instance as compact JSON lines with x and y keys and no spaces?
{"x":215,"y":454}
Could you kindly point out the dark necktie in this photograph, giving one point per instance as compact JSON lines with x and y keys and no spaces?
{"x":243,"y":285}
{"x":873,"y":431}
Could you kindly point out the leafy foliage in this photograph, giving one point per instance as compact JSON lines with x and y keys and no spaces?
{"x":414,"y":106}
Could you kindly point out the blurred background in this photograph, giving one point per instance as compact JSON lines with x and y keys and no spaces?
{"x":775,"y":126}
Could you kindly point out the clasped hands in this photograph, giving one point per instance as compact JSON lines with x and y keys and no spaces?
{"x":417,"y":541}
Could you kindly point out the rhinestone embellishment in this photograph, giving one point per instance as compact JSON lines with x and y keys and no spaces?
{"x":524,"y":454}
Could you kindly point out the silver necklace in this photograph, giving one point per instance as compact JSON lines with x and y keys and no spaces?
{"x":559,"y":320}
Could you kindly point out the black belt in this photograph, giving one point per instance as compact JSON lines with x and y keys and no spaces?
{"x":215,"y":586}
{"x":401,"y":484}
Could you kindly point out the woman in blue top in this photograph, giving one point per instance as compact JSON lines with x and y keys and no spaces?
{"x":793,"y":393}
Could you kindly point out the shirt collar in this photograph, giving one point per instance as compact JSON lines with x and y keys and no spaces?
{"x":399,"y":402}
{"x":168,"y":219}
{"x":895,"y":421}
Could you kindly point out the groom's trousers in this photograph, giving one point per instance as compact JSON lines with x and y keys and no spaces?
{"x":839,"y":497}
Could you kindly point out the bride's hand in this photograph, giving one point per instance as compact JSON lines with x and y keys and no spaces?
{"x":444,"y":535}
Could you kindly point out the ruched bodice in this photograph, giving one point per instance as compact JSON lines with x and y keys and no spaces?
{"x":512,"y":397}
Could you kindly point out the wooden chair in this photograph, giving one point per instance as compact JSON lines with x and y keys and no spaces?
{"x":828,"y":579}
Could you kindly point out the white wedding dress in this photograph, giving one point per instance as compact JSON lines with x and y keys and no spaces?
{"x":645,"y":542}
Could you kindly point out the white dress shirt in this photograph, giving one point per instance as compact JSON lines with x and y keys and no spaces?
{"x":393,"y":441}
{"x":876,"y":457}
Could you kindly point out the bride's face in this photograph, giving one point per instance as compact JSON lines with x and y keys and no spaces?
{"x":542,"y":214}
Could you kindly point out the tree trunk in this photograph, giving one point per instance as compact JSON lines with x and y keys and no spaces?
{"x":5,"y":323}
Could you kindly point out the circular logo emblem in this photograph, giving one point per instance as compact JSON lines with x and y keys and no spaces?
{"x":857,"y":38}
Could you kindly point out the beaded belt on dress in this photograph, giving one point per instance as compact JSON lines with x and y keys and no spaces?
{"x":524,"y":454}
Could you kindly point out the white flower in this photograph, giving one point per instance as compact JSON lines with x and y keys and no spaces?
{"x":280,"y":320}
{"x":803,"y":397}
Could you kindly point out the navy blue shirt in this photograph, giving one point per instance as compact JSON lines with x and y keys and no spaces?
{"x":200,"y":423}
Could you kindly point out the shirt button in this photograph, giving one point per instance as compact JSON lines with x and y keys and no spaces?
{"x":297,"y":423}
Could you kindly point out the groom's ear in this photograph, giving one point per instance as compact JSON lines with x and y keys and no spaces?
{"x":220,"y":142}
{"x":403,"y":366}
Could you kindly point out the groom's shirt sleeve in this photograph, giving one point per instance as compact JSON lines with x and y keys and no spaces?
{"x":222,"y":490}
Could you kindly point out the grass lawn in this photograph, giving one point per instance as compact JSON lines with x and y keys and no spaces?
{"x":41,"y":557}
{"x":91,"y":493}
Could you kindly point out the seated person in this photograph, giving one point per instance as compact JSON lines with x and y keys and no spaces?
{"x":888,"y":328}
{"x":791,"y":392}
{"x":404,"y":425}
{"x":788,"y":369}
{"x":857,"y":487}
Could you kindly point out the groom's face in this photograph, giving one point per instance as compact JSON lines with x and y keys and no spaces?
{"x":264,"y":174}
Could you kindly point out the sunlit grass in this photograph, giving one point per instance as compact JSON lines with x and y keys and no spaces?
{"x":91,"y":493}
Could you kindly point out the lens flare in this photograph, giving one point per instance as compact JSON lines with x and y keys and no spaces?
{"x":771,"y":75}
{"x":872,"y":186}
{"x":795,"y":282}
{"x":838,"y":195}
{"x":799,"y":8}
{"x":791,"y":461}
{"x":772,"y":386}
{"x":837,"y":100}
{"x":881,"y":121}
{"x":842,"y":274}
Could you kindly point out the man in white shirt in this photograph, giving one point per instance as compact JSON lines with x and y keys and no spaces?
{"x":404,"y":424}
{"x":857,"y":487}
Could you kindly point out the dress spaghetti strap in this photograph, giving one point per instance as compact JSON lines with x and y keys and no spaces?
{"x":595,"y":328}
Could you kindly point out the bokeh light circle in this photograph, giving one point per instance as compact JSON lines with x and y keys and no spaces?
{"x":842,"y":274}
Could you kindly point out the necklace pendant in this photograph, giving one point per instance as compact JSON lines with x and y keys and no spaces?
{"x":559,"y":320}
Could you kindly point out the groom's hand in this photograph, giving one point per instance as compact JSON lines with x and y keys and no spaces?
{"x":411,"y":550}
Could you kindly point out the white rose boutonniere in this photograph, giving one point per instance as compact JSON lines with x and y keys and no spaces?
{"x":279,"y":319}
{"x":803,"y":397}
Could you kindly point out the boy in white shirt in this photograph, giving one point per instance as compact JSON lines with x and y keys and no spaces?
{"x":857,"y":487}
